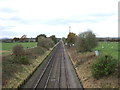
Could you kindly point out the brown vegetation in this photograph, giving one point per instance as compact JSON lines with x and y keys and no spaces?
{"x":1,"y":51}
{"x":14,"y":72}
{"x":83,"y":62}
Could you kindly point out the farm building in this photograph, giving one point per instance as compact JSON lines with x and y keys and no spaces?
{"x":11,"y":40}
{"x":6,"y":40}
{"x":109,"y":39}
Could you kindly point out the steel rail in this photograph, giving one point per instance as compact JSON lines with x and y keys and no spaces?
{"x":41,"y":76}
{"x":66,"y":73}
{"x":59,"y":74}
{"x":49,"y":75}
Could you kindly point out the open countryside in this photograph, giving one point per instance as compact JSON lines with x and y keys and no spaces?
{"x":59,"y":44}
{"x":103,"y":47}
{"x":38,"y":53}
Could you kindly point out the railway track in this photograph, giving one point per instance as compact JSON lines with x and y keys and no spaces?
{"x":45,"y":76}
{"x":55,"y":73}
{"x":64,"y":82}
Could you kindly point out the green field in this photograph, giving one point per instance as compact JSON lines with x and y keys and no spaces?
{"x":9,"y":46}
{"x":108,"y":48}
{"x":103,"y":47}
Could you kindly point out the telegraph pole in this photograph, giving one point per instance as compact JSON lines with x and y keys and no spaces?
{"x":69,"y":29}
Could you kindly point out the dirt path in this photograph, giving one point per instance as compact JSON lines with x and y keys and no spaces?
{"x":2,"y":51}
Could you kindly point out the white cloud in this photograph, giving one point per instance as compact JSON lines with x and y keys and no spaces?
{"x":33,"y":17}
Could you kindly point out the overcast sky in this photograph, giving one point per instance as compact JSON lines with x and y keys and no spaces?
{"x":53,"y":17}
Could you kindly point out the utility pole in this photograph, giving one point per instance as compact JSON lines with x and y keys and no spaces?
{"x":69,"y":29}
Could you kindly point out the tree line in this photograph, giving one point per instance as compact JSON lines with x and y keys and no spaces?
{"x":83,"y":42}
{"x":44,"y":43}
{"x":104,"y":64}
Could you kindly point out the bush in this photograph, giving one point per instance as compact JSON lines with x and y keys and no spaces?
{"x":20,"y":54}
{"x":29,"y":53}
{"x":38,"y":50}
{"x":54,"y":39}
{"x":86,"y":42}
{"x":22,"y":59}
{"x":80,"y":44}
{"x":41,"y":35}
{"x":18,"y":50}
{"x":118,"y":68}
{"x":49,"y":42}
{"x":45,"y":42}
{"x":103,"y":66}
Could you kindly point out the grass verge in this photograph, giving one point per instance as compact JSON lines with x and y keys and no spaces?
{"x":82,"y":63}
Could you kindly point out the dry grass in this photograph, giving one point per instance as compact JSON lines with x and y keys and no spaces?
{"x":84,"y":71}
{"x":15,"y":73}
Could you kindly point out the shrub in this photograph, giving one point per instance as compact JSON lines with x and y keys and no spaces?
{"x":41,"y":35}
{"x":18,"y":50}
{"x":20,"y":54}
{"x":22,"y":59}
{"x":45,"y":42}
{"x":29,"y":53}
{"x":80,"y":44}
{"x":50,"y":42}
{"x":86,"y":41}
{"x":103,"y":66}
{"x":38,"y":50}
{"x":118,"y":68}
{"x":54,"y":39}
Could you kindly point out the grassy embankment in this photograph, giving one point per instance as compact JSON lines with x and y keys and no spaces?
{"x":15,"y":73}
{"x":83,"y":62}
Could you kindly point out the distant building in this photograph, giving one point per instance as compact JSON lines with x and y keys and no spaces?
{"x":6,"y":40}
{"x":58,"y":39}
{"x":13,"y":41}
{"x":109,"y":39}
{"x":32,"y":39}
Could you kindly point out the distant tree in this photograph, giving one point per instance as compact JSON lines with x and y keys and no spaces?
{"x":23,"y":38}
{"x":41,"y":35}
{"x":45,"y":42}
{"x":15,"y":39}
{"x":64,"y":39}
{"x":71,"y":38}
{"x":86,"y":41}
{"x":54,"y":38}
